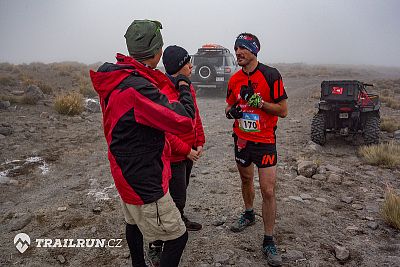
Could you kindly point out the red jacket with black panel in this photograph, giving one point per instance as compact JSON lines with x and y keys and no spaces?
{"x":135,"y":118}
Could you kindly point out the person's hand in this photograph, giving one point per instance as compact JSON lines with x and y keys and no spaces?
{"x":200,"y":151}
{"x":246,"y":92}
{"x":235,"y":112}
{"x":181,"y":80}
{"x":193,"y":155}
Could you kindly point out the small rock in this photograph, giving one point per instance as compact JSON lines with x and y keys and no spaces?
{"x":314,"y":147}
{"x":193,"y":175}
{"x":66,"y":226}
{"x":334,"y":178}
{"x":219,"y":221}
{"x":332,"y":168}
{"x":62,"y":208}
{"x":303,"y":179}
{"x":342,"y":253}
{"x":21,"y":222}
{"x":296,"y":198}
{"x":307,"y":168}
{"x":306,"y":196}
{"x":396,"y":135}
{"x":368,"y":218}
{"x":92,"y":106}
{"x":6,"y":131}
{"x":221,"y":258}
{"x":77,"y":119}
{"x":373,"y":208}
{"x":205,"y":172}
{"x":232,"y":169}
{"x":357,"y":206}
{"x":373,"y":225}
{"x":13,"y":182}
{"x":93,"y":229}
{"x":293,"y":255}
{"x":4,"y":104}
{"x":244,"y":261}
{"x":97,"y":210}
{"x":61,"y":259}
{"x":34,"y":94}
{"x":44,"y":115}
{"x":320,"y":199}
{"x":4,"y":180}
{"x":319,"y":177}
{"x":2,"y":136}
{"x":352,"y":228}
{"x":347,"y":200}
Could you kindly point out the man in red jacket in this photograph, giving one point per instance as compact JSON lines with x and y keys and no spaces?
{"x":136,"y":117}
{"x":185,"y":148}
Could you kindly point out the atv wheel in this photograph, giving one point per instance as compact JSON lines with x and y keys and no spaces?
{"x":318,"y":129}
{"x":372,"y":130}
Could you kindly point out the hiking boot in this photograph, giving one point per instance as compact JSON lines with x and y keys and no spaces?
{"x":154,"y":254}
{"x":191,"y":226}
{"x":246,"y":219}
{"x":273,"y":258}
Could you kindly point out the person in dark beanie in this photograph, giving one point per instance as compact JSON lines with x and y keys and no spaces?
{"x":255,"y":99}
{"x":185,"y":148}
{"x":136,"y":117}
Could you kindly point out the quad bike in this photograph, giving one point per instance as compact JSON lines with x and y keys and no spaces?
{"x":345,"y":108}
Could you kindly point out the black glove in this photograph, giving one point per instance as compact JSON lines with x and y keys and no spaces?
{"x":246,"y":92}
{"x":235,"y":112}
{"x":179,"y":78}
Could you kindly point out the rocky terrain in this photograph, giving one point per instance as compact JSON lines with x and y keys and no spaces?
{"x":55,"y":183}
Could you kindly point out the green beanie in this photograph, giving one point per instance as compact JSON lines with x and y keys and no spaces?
{"x":143,"y":39}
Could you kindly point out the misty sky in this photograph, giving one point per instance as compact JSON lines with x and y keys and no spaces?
{"x":308,"y":31}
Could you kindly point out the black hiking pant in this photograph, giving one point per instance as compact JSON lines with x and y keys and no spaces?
{"x":179,"y":182}
{"x":171,"y":254}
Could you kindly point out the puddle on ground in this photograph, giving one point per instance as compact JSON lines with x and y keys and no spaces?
{"x":17,"y":167}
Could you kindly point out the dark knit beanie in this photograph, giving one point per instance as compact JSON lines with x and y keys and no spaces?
{"x":174,"y":58}
{"x":143,"y":39}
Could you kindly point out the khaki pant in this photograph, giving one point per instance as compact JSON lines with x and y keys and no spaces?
{"x":160,"y":220}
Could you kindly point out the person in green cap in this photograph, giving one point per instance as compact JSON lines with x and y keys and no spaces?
{"x":136,"y":117}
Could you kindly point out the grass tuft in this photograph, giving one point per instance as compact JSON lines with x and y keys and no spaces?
{"x":69,"y":104}
{"x":385,"y":154}
{"x":391,"y":208}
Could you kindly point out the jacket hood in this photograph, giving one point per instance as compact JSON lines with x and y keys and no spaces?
{"x":110,"y":75}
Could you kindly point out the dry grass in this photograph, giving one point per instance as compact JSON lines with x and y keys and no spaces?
{"x":316,"y":94}
{"x":69,"y":104}
{"x":85,"y":87}
{"x":385,"y":92}
{"x":29,"y":100}
{"x":12,"y":99}
{"x":389,"y":124}
{"x":385,"y":154}
{"x":46,"y":89}
{"x":391,"y":102}
{"x":391,"y":208}
{"x":7,"y":81}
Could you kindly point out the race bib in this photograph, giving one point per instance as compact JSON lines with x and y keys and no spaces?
{"x":250,"y":122}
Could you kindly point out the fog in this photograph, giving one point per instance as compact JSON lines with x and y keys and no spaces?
{"x":307,"y":31}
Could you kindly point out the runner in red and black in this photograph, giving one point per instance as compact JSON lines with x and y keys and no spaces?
{"x":256,"y":98}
